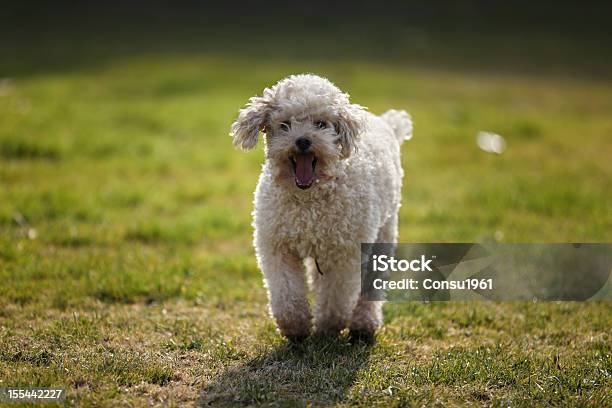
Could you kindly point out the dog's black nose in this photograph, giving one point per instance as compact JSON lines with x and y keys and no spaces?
{"x":303,"y":144}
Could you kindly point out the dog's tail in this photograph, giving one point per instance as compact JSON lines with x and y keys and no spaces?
{"x":400,"y":122}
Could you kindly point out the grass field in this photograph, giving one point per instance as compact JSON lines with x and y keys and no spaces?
{"x":126,"y":267}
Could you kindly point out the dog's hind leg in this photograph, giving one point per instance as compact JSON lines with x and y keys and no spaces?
{"x":367,"y":316}
{"x":285,"y":281}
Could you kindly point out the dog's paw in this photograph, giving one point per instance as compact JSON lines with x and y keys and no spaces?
{"x":326,"y":334}
{"x":362,"y":336}
{"x":329,"y":329}
{"x":297,"y":338}
{"x":296,"y":334}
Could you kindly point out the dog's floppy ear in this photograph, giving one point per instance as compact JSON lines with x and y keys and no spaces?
{"x":348,"y":126}
{"x":252,"y":119}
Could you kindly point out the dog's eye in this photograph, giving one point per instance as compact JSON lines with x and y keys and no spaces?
{"x":285,"y":126}
{"x":320,"y":124}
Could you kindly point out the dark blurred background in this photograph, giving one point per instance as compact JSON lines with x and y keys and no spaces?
{"x":552,"y":38}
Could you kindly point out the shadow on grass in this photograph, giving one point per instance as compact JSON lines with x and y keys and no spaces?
{"x":318,"y":371}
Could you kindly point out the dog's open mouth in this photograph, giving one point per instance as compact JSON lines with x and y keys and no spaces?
{"x":303,"y":169}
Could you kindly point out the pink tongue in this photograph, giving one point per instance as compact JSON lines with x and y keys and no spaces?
{"x":303,"y":169}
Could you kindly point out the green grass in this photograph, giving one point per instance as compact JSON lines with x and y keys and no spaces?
{"x":126,"y":268}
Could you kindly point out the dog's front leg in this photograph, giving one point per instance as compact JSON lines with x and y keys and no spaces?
{"x":285,"y":281}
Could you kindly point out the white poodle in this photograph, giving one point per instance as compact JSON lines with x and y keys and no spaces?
{"x":331,"y":180}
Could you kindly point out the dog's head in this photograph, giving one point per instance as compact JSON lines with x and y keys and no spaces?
{"x":309,"y":125}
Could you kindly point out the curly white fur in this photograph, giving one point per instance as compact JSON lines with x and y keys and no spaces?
{"x":354,"y":197}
